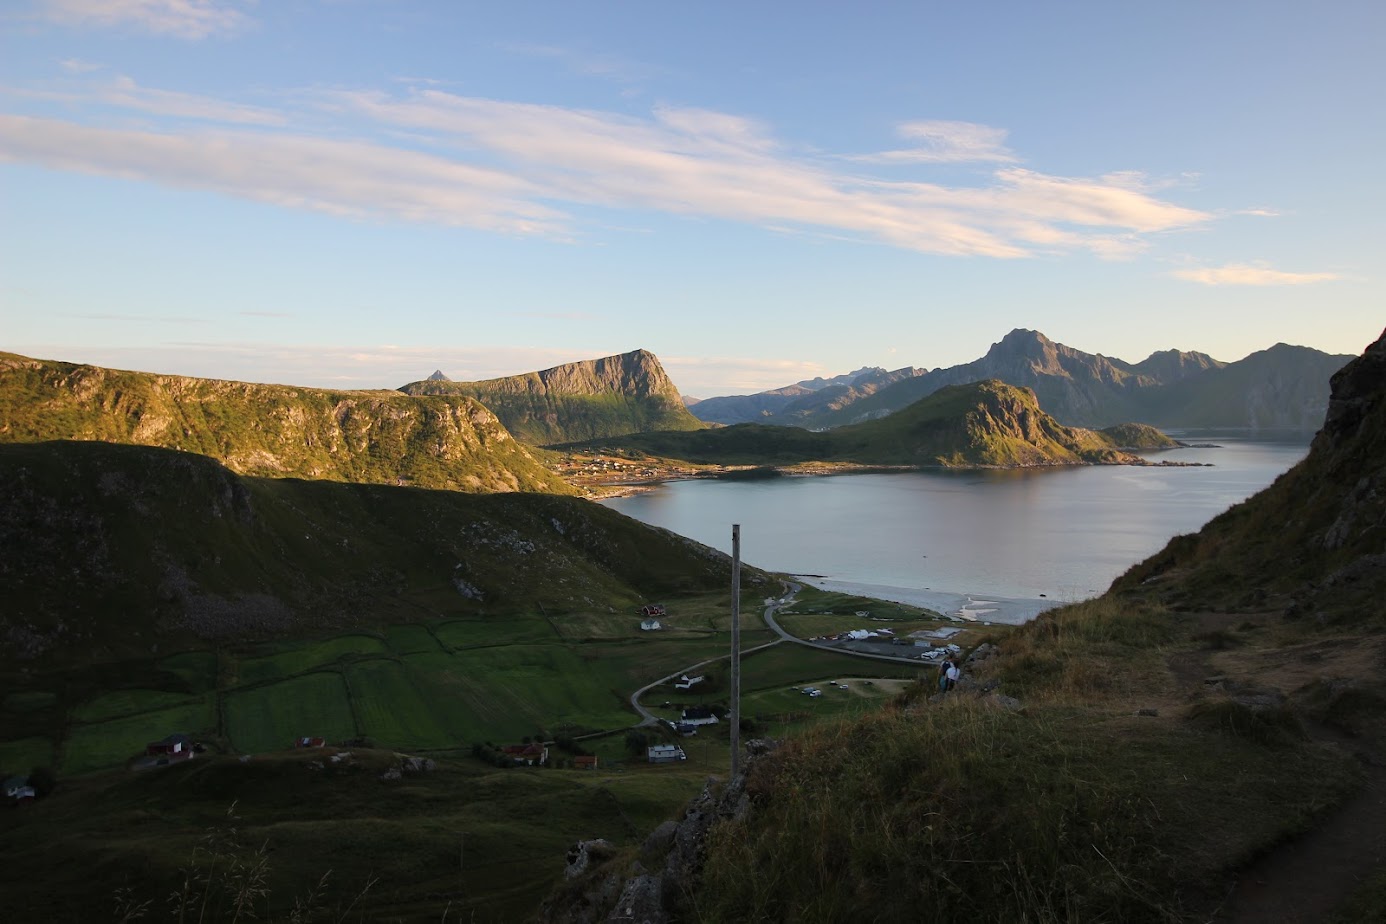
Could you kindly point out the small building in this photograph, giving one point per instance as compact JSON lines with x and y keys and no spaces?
{"x":686,"y":682}
{"x":686,"y":730}
{"x":649,"y":625}
{"x":699,"y":715}
{"x":174,"y":745}
{"x":310,"y":742}
{"x":664,"y":753}
{"x":530,"y":755}
{"x":585,"y":762}
{"x":653,"y":609}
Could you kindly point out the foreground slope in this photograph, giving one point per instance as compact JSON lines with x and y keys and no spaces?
{"x":106,"y":550}
{"x":272,"y":430}
{"x":611,"y":396}
{"x":981,"y":424}
{"x":1120,"y":759}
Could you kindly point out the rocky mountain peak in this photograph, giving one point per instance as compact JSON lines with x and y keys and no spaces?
{"x":438,"y":376}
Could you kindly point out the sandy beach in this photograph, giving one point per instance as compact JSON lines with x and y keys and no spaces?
{"x":976,"y":607}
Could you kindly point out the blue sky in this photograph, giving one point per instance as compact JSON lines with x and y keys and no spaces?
{"x":356,"y":192}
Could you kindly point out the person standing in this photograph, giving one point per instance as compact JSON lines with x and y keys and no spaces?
{"x":952,"y":674}
{"x":943,"y":669}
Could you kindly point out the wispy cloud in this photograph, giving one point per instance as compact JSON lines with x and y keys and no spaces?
{"x":186,"y":19}
{"x":122,"y":92}
{"x":942,"y":142}
{"x":1250,"y":274}
{"x":524,"y":168}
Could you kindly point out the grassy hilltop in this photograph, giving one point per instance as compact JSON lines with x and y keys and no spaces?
{"x":979,"y":424}
{"x":276,"y":431}
{"x":611,"y":396}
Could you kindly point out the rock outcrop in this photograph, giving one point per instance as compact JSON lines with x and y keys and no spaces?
{"x":611,"y":396}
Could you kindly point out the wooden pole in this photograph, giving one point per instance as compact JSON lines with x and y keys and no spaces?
{"x":736,"y":651}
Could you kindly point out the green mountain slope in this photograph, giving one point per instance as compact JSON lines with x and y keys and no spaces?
{"x":612,"y":396}
{"x":107,"y":549}
{"x":981,"y":424}
{"x":272,"y":430}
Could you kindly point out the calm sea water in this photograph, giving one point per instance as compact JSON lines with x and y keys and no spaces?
{"x":1060,"y":533}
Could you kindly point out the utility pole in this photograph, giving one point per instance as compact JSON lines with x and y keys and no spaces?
{"x":736,"y":651}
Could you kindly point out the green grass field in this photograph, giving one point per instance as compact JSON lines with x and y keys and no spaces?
{"x":270,"y":717}
{"x":107,"y":744}
{"x":22,"y":755}
{"x":296,"y":658}
{"x":128,"y":702}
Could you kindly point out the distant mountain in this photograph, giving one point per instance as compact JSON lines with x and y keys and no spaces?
{"x":1282,"y":388}
{"x":615,"y":395}
{"x":979,"y":424}
{"x":107,"y":549}
{"x":799,"y":399}
{"x":275,"y":431}
{"x":438,"y":376}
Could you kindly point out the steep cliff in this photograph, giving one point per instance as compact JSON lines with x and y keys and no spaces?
{"x":611,"y":396}
{"x":272,"y":430}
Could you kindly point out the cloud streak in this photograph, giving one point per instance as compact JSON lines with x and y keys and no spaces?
{"x":185,"y":19}
{"x":1250,"y":274}
{"x":528,"y":169}
{"x":941,"y":142}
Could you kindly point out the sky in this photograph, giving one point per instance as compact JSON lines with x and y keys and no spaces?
{"x":353,"y":193}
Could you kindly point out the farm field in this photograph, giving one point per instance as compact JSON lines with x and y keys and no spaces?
{"x":438,"y":687}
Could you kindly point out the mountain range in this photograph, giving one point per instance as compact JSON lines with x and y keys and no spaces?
{"x":1283,"y":387}
{"x":611,"y":396}
{"x":980,"y":424}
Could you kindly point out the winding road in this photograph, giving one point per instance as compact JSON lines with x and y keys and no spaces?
{"x":791,"y":588}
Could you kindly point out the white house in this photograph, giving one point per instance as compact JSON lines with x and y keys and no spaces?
{"x":687,"y":683}
{"x":650,"y":624}
{"x":664,"y":753}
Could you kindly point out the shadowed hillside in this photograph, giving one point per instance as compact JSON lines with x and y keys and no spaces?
{"x":615,"y":395}
{"x":106,"y":550}
{"x":274,"y":431}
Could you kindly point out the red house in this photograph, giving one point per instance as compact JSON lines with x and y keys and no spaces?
{"x":180,"y":745}
{"x":309,"y":742}
{"x":586,"y":762}
{"x":528,"y":754}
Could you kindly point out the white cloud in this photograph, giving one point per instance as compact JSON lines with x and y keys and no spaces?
{"x":512,"y":167}
{"x":187,"y":19}
{"x":1250,"y":274}
{"x":124,"y":93}
{"x":943,"y":142}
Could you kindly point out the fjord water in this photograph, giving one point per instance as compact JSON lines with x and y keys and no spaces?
{"x":1061,"y":533}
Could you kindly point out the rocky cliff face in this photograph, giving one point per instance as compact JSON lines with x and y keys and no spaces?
{"x":611,"y":396}
{"x":272,"y":430}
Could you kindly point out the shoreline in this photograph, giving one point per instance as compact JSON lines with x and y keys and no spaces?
{"x":971,"y":607}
